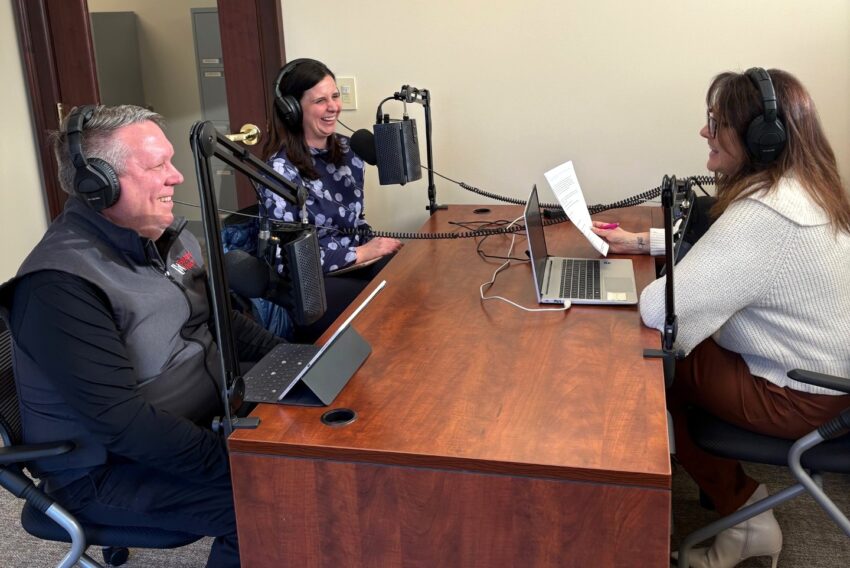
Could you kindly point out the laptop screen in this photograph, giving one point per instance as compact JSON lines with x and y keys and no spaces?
{"x":536,"y":238}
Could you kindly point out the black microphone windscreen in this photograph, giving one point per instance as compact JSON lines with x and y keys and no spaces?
{"x":300,"y":288}
{"x":363,"y":144}
{"x":397,"y":150}
{"x":306,"y":283}
{"x":247,"y":275}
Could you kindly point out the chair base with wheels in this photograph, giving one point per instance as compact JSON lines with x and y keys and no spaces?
{"x":43,"y":517}
{"x":826,"y":449}
{"x":115,"y":540}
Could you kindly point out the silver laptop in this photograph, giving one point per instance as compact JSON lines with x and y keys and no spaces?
{"x":579,"y":280}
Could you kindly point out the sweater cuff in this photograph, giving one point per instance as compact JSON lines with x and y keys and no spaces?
{"x":656,"y":242}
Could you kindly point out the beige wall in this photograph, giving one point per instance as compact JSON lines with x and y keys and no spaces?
{"x":171,"y":85}
{"x":519,"y":87}
{"x":21,"y":194}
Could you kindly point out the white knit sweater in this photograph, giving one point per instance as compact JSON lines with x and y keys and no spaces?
{"x":771,"y":281}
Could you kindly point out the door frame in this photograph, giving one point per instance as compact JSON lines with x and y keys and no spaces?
{"x":60,"y":71}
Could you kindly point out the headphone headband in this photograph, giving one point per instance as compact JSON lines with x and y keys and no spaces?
{"x":284,"y":71}
{"x":74,"y":133}
{"x":765,"y":86}
{"x":288,"y":106}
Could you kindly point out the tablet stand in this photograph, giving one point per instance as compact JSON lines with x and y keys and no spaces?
{"x":321,"y":383}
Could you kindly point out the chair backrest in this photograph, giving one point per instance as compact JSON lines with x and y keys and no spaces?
{"x":10,"y":414}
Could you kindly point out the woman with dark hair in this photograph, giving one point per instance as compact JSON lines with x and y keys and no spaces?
{"x":762,"y":292}
{"x":304,"y":148}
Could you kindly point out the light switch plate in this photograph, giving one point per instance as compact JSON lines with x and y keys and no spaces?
{"x":348,"y":92}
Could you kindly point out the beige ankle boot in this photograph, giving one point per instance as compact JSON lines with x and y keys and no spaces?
{"x":759,"y":536}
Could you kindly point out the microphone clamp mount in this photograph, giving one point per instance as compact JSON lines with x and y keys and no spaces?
{"x":409,"y":94}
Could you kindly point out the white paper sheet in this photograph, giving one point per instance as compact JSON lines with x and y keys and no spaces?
{"x":564,"y":183}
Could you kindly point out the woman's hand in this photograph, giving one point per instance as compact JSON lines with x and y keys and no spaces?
{"x":376,"y":248}
{"x":621,"y":241}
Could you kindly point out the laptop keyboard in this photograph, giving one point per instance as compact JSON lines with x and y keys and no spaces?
{"x":580,"y":279}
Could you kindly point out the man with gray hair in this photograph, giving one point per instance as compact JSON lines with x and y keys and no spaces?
{"x":113,"y":348}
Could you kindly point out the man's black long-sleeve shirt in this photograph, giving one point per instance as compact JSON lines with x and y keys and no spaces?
{"x":66,"y":324}
{"x":114,"y":350}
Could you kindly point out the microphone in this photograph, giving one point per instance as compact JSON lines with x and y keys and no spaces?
{"x":394,"y":148}
{"x":249,"y":276}
{"x":363,"y":144}
{"x":300,"y":289}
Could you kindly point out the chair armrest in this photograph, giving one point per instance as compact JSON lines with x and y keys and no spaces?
{"x":29,"y":452}
{"x":820,"y":380}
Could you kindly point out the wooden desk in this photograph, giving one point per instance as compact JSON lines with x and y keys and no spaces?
{"x":485,"y":436}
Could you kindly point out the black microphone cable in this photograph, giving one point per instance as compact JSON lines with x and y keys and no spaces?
{"x":221,"y":210}
{"x":552,"y":213}
{"x":553,"y":210}
{"x":344,"y":125}
{"x":593,"y":209}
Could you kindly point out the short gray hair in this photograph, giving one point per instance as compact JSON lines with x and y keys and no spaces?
{"x":97,"y":139}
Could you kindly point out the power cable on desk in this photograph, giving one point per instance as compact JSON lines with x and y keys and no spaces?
{"x":502,"y":267}
{"x":479,"y":243}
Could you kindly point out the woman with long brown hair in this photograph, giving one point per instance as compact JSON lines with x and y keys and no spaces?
{"x":303,"y":147}
{"x":762,"y":292}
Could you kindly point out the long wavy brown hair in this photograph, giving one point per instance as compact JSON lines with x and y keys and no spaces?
{"x":736,"y":101}
{"x":306,"y":75}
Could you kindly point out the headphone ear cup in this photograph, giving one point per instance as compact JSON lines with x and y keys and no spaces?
{"x":290,"y":111}
{"x":766,"y":134}
{"x":765,"y":140}
{"x":98,"y":184}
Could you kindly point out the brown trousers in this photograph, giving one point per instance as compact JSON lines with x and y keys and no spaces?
{"x":719,"y":381}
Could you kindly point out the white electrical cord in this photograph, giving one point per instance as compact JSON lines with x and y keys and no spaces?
{"x":505,"y":265}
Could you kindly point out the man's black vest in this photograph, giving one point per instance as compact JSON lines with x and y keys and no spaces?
{"x":161,"y":308}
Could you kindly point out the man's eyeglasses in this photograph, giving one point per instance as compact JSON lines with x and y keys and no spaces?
{"x":712,"y":124}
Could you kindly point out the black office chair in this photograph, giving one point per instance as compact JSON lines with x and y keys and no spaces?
{"x":42,"y":517}
{"x":826,"y":449}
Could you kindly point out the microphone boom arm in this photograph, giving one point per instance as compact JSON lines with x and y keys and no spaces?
{"x":207,"y":142}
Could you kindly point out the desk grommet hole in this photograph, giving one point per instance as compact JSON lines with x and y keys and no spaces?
{"x":481,"y":210}
{"x":339,"y":417}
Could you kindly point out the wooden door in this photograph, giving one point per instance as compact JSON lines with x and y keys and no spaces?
{"x":56,"y":43}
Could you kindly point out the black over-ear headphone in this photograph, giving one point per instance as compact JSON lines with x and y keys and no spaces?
{"x":95,"y":181}
{"x":288,"y":106}
{"x":766,"y":134}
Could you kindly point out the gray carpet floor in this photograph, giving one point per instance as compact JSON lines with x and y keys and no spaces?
{"x":20,"y":550}
{"x":810,"y":539}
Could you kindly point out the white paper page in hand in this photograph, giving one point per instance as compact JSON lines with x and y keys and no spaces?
{"x":564,"y":183}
